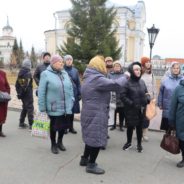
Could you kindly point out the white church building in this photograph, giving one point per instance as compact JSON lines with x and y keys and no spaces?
{"x":130,"y":21}
{"x":6,"y":43}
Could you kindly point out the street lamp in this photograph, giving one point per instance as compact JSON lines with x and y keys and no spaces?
{"x":152,"y":34}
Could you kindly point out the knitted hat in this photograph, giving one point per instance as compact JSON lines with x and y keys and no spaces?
{"x":98,"y":63}
{"x":55,"y":59}
{"x":46,"y":54}
{"x":26,"y":63}
{"x":68,"y":57}
{"x":144,"y":60}
{"x":108,"y":59}
{"x":117,"y":62}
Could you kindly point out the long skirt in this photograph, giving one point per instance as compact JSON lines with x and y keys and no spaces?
{"x":59,"y":123}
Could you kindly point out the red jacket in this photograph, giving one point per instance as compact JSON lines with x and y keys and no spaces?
{"x":4,"y":86}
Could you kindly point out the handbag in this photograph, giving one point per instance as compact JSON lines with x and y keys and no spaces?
{"x":41,"y":125}
{"x":151,"y":109}
{"x":4,"y":96}
{"x":170,"y":143}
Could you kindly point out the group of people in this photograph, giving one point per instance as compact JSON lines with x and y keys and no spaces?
{"x":104,"y":83}
{"x":59,"y":93}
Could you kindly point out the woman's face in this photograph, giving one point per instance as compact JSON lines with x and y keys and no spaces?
{"x":137,"y":70}
{"x":175,"y":69}
{"x":117,"y":68}
{"x":69,"y":62}
{"x":58,"y":65}
{"x":148,"y":65}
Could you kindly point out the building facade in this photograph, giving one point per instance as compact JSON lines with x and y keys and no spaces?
{"x":130,"y":22}
{"x":6,"y":44}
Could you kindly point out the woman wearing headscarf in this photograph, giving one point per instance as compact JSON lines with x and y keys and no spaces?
{"x":135,"y":98}
{"x":167,"y":87}
{"x":4,"y":87}
{"x":55,"y":97}
{"x":96,"y":88}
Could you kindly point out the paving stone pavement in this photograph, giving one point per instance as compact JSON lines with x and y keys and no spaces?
{"x":28,"y":160}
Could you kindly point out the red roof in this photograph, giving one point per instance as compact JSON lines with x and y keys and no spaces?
{"x":169,"y":60}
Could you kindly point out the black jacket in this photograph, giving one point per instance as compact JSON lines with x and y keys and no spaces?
{"x":24,"y":84}
{"x":135,"y":98}
{"x":39,"y":69}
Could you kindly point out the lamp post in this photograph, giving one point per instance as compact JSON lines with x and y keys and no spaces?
{"x":152,"y":34}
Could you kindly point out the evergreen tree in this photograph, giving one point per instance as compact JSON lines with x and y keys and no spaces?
{"x":91,"y":31}
{"x":21,"y":53}
{"x":15,"y":53}
{"x":33,"y":58}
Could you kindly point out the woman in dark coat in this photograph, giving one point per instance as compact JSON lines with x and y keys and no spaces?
{"x":74,"y":76}
{"x":95,"y":92}
{"x":176,"y":117}
{"x":4,"y":86}
{"x":135,"y":98}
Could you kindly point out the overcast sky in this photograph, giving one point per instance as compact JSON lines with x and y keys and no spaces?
{"x":30,"y":19}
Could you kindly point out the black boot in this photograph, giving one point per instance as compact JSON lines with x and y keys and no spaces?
{"x":54,"y":149}
{"x":60,"y":145}
{"x":180,"y":164}
{"x":23,"y":125}
{"x":94,"y":169}
{"x":2,"y":134}
{"x":66,"y":131}
{"x":84,"y":161}
{"x":73,"y":131}
{"x":113,"y":127}
{"x":30,"y":124}
{"x":121,"y":129}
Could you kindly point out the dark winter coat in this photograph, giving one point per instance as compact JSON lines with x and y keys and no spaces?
{"x":74,"y":76}
{"x":134,"y":98}
{"x":24,"y":84}
{"x":95,"y":106}
{"x":4,"y":86}
{"x":114,"y":75}
{"x":39,"y":69}
{"x":176,"y":111}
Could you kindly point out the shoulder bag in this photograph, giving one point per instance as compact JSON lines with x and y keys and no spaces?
{"x":170,"y":143}
{"x":151,"y":109}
